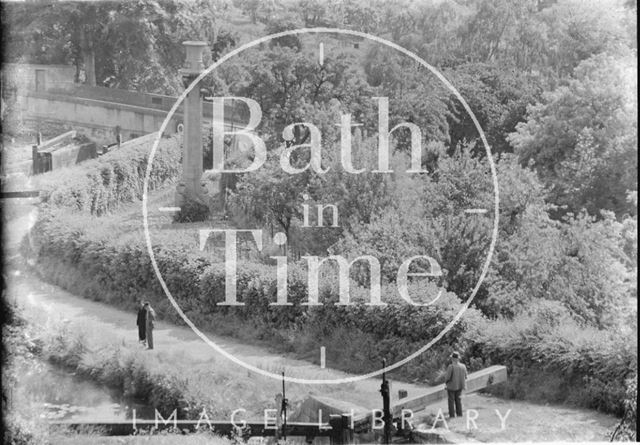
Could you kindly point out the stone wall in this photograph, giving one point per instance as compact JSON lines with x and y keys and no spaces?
{"x":99,"y":113}
{"x":21,"y":77}
{"x":146,"y":100}
{"x":101,"y":120}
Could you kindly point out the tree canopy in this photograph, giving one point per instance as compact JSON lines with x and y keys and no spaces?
{"x":553,"y":84}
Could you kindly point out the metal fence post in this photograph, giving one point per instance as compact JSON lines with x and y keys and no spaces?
{"x":386,"y":405}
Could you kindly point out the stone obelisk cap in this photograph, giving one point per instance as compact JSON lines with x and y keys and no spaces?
{"x":193,"y":64}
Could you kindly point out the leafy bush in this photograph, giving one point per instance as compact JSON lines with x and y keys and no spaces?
{"x":627,"y":430}
{"x":101,"y":185}
{"x":550,"y":357}
{"x":192,"y":211}
{"x":559,"y":362}
{"x":22,"y":426}
{"x":70,"y":253}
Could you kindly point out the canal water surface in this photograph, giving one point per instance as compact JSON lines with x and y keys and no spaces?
{"x":57,"y":394}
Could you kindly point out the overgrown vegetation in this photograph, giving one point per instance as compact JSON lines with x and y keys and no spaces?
{"x":589,"y":366}
{"x":192,"y":211}
{"x":110,"y":180}
{"x":551,"y":83}
{"x":121,"y":273}
{"x":20,"y":347}
{"x":627,"y":429}
{"x":28,"y":339}
{"x":170,"y":380}
{"x":552,"y":359}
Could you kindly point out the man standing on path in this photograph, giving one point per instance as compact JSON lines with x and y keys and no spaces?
{"x":150,"y":316}
{"x":455,"y":379}
{"x":142,"y":322}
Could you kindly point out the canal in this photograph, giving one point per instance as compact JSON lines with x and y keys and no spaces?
{"x":54,"y":393}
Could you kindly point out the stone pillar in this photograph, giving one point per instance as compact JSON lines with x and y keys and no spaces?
{"x":190,"y":187}
{"x":35,"y":165}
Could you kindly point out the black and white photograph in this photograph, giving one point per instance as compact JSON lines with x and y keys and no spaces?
{"x":329,"y":222}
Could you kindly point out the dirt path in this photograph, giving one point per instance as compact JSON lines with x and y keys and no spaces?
{"x":527,"y":422}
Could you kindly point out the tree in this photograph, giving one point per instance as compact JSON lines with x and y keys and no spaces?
{"x":78,"y":26}
{"x":579,"y":263}
{"x":251,"y":8}
{"x":225,"y":40}
{"x":550,"y":37}
{"x":130,"y":45}
{"x":284,"y":24}
{"x":424,"y":215}
{"x":415,"y":95}
{"x":582,"y":137}
{"x":484,"y":35}
{"x":314,"y":12}
{"x":582,"y":29}
{"x":286,"y":81}
{"x":362,"y":15}
{"x":435,"y":24}
{"x":270,"y":196}
{"x":497,"y":97}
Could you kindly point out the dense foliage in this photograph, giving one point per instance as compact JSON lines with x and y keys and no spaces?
{"x":552,"y":84}
{"x":590,"y":367}
{"x":101,"y":185}
{"x":20,"y":346}
{"x":135,"y":45}
{"x":89,"y":262}
{"x":550,"y":358}
{"x":582,"y":137}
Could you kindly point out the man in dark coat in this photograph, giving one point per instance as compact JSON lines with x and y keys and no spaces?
{"x":456,"y":381}
{"x":142,"y":322}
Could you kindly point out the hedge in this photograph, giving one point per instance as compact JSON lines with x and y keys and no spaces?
{"x":583,"y":366}
{"x":100,"y":185}
{"x":69,"y":253}
{"x":559,"y":363}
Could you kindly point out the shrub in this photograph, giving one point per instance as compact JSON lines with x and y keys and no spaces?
{"x":100,"y":185}
{"x":22,"y":425}
{"x":73,"y":254}
{"x":559,"y":362}
{"x":192,"y":211}
{"x":548,"y":355}
{"x":627,"y":430}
